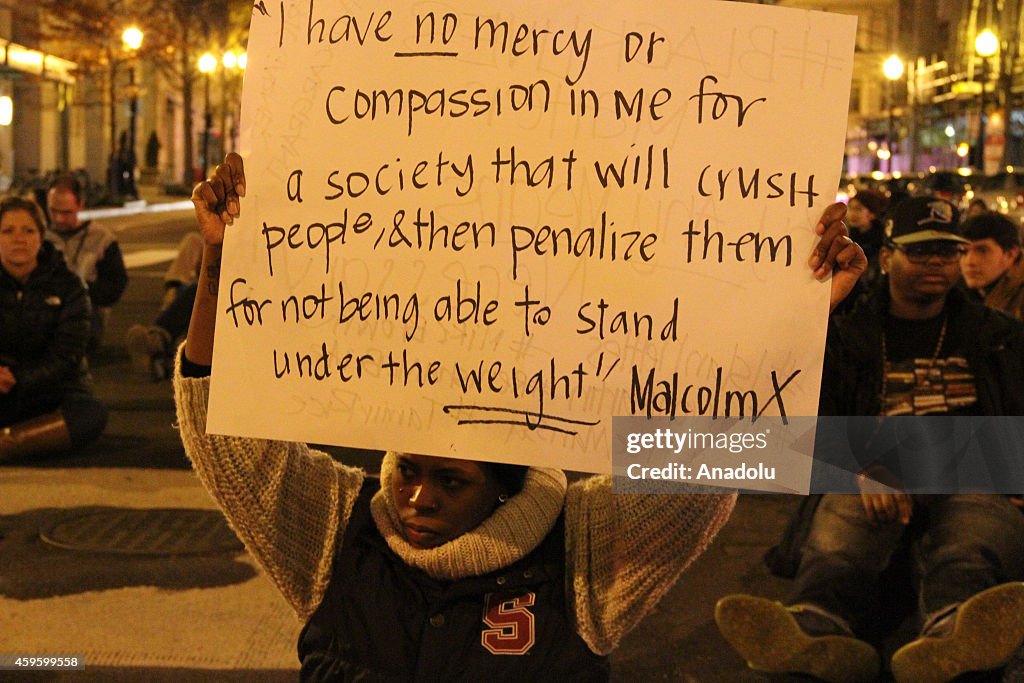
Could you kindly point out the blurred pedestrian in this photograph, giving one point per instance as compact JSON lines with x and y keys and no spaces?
{"x":447,"y":569}
{"x":992,"y":267}
{"x":46,"y":405}
{"x":916,"y":346}
{"x":89,"y":249}
{"x":977,"y":207}
{"x":126,"y":168}
{"x":865,"y":220}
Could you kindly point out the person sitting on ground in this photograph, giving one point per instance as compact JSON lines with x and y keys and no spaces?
{"x":89,"y":249}
{"x":151,"y":347}
{"x":474,"y":558}
{"x":915,"y":346}
{"x":993,"y":268}
{"x":45,"y":403}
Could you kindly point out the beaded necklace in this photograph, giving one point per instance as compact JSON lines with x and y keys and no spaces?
{"x":931,"y":363}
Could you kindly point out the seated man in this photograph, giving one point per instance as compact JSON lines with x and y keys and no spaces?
{"x":90,"y":250}
{"x":151,"y":346}
{"x":914,"y":346}
{"x":993,"y":267}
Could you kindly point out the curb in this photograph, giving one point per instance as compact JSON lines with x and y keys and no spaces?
{"x":136,"y":207}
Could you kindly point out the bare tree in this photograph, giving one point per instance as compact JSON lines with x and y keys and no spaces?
{"x":89,"y":32}
{"x":184,"y":29}
{"x":177,"y":32}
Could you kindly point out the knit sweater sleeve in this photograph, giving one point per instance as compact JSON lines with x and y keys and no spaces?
{"x":625,"y":551}
{"x":286,"y":502}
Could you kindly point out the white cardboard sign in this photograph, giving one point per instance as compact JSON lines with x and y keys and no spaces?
{"x":481,"y":230}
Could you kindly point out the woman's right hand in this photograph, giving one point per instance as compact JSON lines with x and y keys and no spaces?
{"x":216,"y":199}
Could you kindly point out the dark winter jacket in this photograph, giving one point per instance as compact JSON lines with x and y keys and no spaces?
{"x":382,"y":619}
{"x":44,"y":328}
{"x":992,"y":343}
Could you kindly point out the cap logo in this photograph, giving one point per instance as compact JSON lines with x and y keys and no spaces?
{"x":941,"y":212}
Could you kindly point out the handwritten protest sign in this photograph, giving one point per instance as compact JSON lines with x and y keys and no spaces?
{"x":482,"y":230}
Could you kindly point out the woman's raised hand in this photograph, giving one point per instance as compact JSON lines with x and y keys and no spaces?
{"x":836,"y":254}
{"x":216,"y":199}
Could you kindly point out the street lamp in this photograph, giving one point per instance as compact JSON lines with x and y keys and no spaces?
{"x":243,"y":62}
{"x":207,"y":63}
{"x":132,"y":40}
{"x":230,"y":61}
{"x":893,"y":70}
{"x":985,"y":45}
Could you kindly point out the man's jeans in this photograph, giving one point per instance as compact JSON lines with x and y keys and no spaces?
{"x":967,"y":543}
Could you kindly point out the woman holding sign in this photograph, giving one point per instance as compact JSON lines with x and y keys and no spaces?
{"x":446,"y":564}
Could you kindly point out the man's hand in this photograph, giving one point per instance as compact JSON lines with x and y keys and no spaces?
{"x":883,"y":508}
{"x":837,"y":254}
{"x":7,"y":380}
{"x":883,"y":501}
{"x":216,"y":199}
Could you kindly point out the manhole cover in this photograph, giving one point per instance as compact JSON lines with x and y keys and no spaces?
{"x":145,"y":532}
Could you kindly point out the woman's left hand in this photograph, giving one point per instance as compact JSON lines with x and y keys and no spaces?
{"x":837,"y":254}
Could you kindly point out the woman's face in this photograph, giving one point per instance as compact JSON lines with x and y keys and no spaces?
{"x":20,"y":242}
{"x":439,"y":499}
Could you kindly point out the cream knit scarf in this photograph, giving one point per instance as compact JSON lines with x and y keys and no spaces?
{"x":513,"y":530}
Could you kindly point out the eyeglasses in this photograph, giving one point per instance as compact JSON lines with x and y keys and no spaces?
{"x":920,"y":253}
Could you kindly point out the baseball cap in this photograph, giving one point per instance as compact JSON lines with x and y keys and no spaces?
{"x":923,"y":219}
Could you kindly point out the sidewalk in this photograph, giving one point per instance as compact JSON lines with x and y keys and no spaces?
{"x":131,"y":616}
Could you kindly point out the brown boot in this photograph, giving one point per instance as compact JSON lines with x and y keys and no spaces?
{"x":44,"y":434}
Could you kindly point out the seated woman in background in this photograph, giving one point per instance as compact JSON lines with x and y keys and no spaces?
{"x":46,"y":405}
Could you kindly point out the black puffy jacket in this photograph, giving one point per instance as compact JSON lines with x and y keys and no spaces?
{"x":44,"y":329}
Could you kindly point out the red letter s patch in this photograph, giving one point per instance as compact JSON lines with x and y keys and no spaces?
{"x":511,"y":624}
